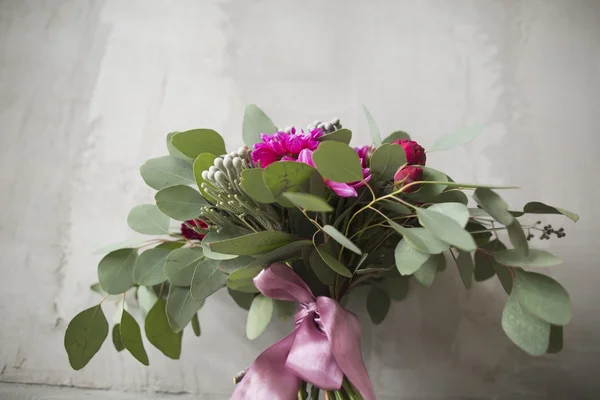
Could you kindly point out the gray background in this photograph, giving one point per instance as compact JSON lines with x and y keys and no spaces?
{"x":89,"y":89}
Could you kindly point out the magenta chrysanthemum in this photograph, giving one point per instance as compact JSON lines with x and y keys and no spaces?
{"x":282,"y":146}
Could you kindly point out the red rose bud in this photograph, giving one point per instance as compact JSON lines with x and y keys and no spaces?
{"x":415,"y":154}
{"x":408,"y":174}
{"x":191,"y":234}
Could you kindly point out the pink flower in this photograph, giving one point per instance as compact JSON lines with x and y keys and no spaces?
{"x":284,"y":146}
{"x":408,"y":174}
{"x":415,"y":154}
{"x":364,"y":153}
{"x":191,"y":234}
{"x":341,"y":189}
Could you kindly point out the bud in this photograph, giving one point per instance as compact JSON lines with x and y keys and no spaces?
{"x":406,"y":175}
{"x":415,"y":154}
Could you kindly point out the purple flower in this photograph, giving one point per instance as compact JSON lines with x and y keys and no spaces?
{"x":341,"y":189}
{"x":284,"y":146}
{"x":364,"y":153}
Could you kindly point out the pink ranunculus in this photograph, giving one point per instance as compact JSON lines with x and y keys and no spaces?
{"x":408,"y":174}
{"x":415,"y":154}
{"x":341,"y":189}
{"x":284,"y":146}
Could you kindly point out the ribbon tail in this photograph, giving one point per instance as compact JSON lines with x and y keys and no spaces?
{"x":267,"y":377}
{"x":343,"y":332}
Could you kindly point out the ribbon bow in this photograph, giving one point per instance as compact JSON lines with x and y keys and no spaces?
{"x":323,"y":347}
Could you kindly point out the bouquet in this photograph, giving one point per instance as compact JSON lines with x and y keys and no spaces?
{"x":295,"y":221}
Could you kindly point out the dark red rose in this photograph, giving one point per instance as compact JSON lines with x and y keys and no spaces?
{"x":191,"y":234}
{"x":408,"y":174}
{"x":415,"y":154}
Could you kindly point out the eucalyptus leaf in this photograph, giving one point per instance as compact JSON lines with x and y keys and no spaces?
{"x":394,"y":206}
{"x":341,"y":135}
{"x":229,"y":266}
{"x":282,"y":253}
{"x":115,"y":271}
{"x":287,"y":176}
{"x":148,"y":269}
{"x":457,"y":211}
{"x":465,"y":265}
{"x":159,"y":332}
{"x":202,"y":163}
{"x":241,"y":299}
{"x":527,"y":331}
{"x":397,"y":286}
{"x":426,"y":273}
{"x":214,"y":236}
{"x":308,"y":202}
{"x":372,"y":127}
{"x":408,"y":259}
{"x":446,"y":229}
{"x":252,"y":244}
{"x":536,"y":207}
{"x":378,"y":304}
{"x":194,"y":142}
{"x":172,"y":245}
{"x":338,"y":162}
{"x":131,"y":336}
{"x":181,"y":264}
{"x":450,"y":196}
{"x":116,"y":338}
{"x":341,"y":239}
{"x":196,"y":325}
{"x":285,"y":309}
{"x":321,"y":269}
{"x":485,"y":264}
{"x":173,"y":151}
{"x":542,"y":296}
{"x":242,"y":279}
{"x":491,"y":202}
{"x":505,"y":277}
{"x":386,"y":160}
{"x":148,"y":219}
{"x":517,"y":236}
{"x":255,"y":123}
{"x":397,"y":135}
{"x":146,"y":299}
{"x":162,"y":172}
{"x":181,"y":307}
{"x":180,"y":202}
{"x":85,"y":335}
{"x":421,"y":239}
{"x":254,"y":185}
{"x":332,"y":262}
{"x":429,"y":190}
{"x":556,"y":339}
{"x":535,"y":258}
{"x":208,"y":279}
{"x":456,"y":139}
{"x":259,"y":316}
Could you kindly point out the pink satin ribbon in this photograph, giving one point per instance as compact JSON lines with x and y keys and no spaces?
{"x":323,"y":347}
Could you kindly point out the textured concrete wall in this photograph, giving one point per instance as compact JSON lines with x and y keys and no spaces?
{"x":88,"y":89}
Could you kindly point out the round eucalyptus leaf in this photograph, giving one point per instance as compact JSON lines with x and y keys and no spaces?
{"x":457,"y":211}
{"x":85,"y":335}
{"x":491,"y":202}
{"x":526,"y":330}
{"x":181,"y":264}
{"x":208,"y":278}
{"x":181,"y":307}
{"x":535,"y":258}
{"x":194,"y":142}
{"x":421,"y":239}
{"x":202,"y":163}
{"x":542,"y":296}
{"x":148,"y":219}
{"x":255,"y":187}
{"x":397,"y":135}
{"x":148,"y":269}
{"x":408,"y":259}
{"x":426,"y":273}
{"x":162,"y":172}
{"x":338,"y":162}
{"x":259,"y":316}
{"x":446,"y":229}
{"x":159,"y":332}
{"x":378,"y":304}
{"x":115,"y":271}
{"x":255,"y":123}
{"x":386,"y":160}
{"x":180,"y":202}
{"x":341,"y":135}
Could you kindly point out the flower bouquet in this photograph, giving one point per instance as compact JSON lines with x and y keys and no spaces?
{"x":294,"y":222}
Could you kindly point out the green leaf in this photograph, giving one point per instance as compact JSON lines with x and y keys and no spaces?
{"x":517,"y":236}
{"x":115,"y":271}
{"x":85,"y":334}
{"x":131,"y":336}
{"x":421,"y":239}
{"x":252,"y":244}
{"x":208,"y":279}
{"x":97,"y":288}
{"x":196,"y":325}
{"x":229,"y":266}
{"x":465,"y":265}
{"x":372,"y":127}
{"x":428,"y":191}
{"x":536,"y":207}
{"x":146,"y":298}
{"x":341,"y":135}
{"x":116,"y":338}
{"x":457,"y":211}
{"x":214,"y":236}
{"x":282,"y":253}
{"x":378,"y":304}
{"x":255,"y":123}
{"x":450,"y":196}
{"x":527,"y":331}
{"x":173,"y":245}
{"x":446,"y":229}
{"x":159,"y":332}
{"x":456,"y":139}
{"x":321,"y":269}
{"x":485,"y":264}
{"x":181,"y":264}
{"x":426,"y":273}
{"x":542,"y":296}
{"x":259,"y":316}
{"x":504,"y":276}
{"x":341,"y":239}
{"x":556,"y":339}
{"x":148,"y":269}
{"x":173,"y":151}
{"x":242,"y":279}
{"x":162,"y":172}
{"x":408,"y":259}
{"x":284,"y":176}
{"x":285,"y":309}
{"x":535,"y":258}
{"x":332,"y":262}
{"x":394,"y":207}
{"x":254,"y":185}
{"x":202,"y":163}
{"x":181,"y":307}
{"x":386,"y":160}
{"x":491,"y":202}
{"x":338,"y":162}
{"x":397,"y":286}
{"x":180,"y":202}
{"x":148,"y":219}
{"x":308,"y":202}
{"x":241,"y":299}
{"x":194,"y":142}
{"x":397,"y":135}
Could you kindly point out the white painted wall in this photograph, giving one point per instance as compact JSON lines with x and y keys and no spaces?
{"x":88,"y":90}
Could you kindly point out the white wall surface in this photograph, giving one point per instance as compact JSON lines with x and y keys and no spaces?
{"x":89,"y":89}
